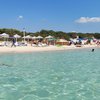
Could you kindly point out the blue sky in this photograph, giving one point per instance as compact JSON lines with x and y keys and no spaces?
{"x":58,"y":15}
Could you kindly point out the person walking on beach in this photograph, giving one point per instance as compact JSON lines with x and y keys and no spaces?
{"x":13,"y":43}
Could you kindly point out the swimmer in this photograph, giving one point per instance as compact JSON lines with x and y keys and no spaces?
{"x":92,"y":50}
{"x":5,"y":65}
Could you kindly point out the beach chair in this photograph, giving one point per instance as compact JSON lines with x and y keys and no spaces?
{"x":34,"y":45}
{"x":2,"y":43}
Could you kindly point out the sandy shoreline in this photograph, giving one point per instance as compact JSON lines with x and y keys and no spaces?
{"x":24,"y":49}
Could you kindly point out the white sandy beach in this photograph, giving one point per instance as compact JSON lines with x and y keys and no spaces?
{"x":22,"y":49}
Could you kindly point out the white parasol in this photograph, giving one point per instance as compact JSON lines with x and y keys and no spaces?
{"x":4,"y":35}
{"x":49,"y":37}
{"x":17,"y":36}
{"x":27,"y":37}
{"x":39,"y":37}
{"x":34,"y":37}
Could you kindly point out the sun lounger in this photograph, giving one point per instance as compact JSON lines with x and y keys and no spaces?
{"x":3,"y":43}
{"x":78,"y":45}
{"x":34,"y":45}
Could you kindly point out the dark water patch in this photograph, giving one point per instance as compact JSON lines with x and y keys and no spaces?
{"x":15,"y":80}
{"x":41,"y":93}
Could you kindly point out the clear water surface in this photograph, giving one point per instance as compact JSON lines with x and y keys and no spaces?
{"x":57,"y":75}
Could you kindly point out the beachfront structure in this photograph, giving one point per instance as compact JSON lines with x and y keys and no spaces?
{"x":62,"y":42}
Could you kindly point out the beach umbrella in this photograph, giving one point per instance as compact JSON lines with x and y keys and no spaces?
{"x":4,"y":35}
{"x":17,"y":36}
{"x":34,"y":37}
{"x":39,"y":37}
{"x":28,"y":37}
{"x":49,"y":37}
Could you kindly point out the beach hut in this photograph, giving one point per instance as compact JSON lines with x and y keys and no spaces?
{"x":62,"y":42}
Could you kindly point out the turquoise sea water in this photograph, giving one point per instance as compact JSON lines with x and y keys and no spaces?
{"x":57,"y":75}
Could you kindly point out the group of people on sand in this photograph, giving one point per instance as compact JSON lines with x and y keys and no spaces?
{"x":98,"y":43}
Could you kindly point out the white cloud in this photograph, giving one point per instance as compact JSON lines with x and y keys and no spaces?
{"x":20,"y":17}
{"x":88,"y":19}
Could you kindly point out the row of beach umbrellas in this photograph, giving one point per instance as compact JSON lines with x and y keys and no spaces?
{"x":5,"y":35}
{"x":38,"y":37}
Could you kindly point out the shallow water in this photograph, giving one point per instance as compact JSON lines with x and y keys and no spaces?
{"x":57,"y":75}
